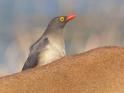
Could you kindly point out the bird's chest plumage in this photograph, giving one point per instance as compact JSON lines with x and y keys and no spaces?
{"x":51,"y":53}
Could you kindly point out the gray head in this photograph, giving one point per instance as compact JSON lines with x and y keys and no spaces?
{"x":60,"y":21}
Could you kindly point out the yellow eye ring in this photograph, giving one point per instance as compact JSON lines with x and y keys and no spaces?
{"x":62,"y":19}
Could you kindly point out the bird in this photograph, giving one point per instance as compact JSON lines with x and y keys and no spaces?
{"x":50,"y":46}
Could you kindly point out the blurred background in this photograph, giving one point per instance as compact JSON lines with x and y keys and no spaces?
{"x":98,"y":23}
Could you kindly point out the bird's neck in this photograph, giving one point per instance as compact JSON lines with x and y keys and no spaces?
{"x":55,"y":33}
{"x":56,"y":37}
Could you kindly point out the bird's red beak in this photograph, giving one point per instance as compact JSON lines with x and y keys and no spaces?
{"x":70,"y":17}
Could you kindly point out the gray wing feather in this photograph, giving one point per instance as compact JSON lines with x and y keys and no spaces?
{"x":35,"y":50}
{"x":30,"y":62}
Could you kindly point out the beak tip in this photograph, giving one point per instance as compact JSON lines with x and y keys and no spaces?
{"x":70,"y":17}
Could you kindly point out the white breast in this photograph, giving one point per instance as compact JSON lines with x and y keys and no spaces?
{"x":51,"y":53}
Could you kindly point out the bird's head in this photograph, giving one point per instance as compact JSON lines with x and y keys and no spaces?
{"x":60,"y":21}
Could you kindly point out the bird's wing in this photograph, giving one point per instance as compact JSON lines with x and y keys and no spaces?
{"x":30,"y":62}
{"x":35,"y":50}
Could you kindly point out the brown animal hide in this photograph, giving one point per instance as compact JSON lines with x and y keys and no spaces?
{"x":100,"y":70}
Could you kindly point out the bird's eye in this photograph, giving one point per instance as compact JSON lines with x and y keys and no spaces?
{"x":62,"y":19}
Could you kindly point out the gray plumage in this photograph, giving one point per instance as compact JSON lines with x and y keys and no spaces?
{"x":50,"y":45}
